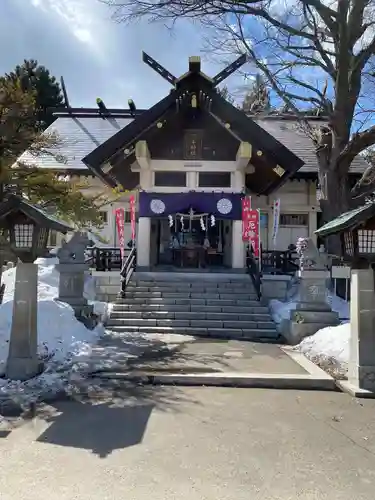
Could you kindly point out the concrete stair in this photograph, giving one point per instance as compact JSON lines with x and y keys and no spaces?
{"x":220,"y":306}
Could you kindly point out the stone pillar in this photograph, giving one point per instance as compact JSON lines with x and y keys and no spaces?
{"x":238,"y":246}
{"x":72,"y":268}
{"x":313,"y":225}
{"x":361,"y":370}
{"x":238,"y":180}
{"x":22,"y":362}
{"x":143,"y":242}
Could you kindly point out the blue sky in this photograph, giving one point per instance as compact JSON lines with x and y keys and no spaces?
{"x":96,"y":56}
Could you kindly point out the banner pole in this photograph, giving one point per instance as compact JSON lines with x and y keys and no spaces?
{"x":259,"y":245}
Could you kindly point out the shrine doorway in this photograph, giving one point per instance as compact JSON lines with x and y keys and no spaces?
{"x":191,"y":243}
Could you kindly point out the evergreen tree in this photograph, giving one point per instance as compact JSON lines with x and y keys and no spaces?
{"x":18,"y":133}
{"x":46,"y":90}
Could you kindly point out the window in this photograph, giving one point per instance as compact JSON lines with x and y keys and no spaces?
{"x":170,"y":179}
{"x":52,"y":241}
{"x":294,"y":220}
{"x":104,"y":216}
{"x":128,"y":218}
{"x":214,"y":179}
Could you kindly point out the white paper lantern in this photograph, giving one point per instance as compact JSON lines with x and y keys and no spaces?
{"x":170,"y":219}
{"x":213,"y":221}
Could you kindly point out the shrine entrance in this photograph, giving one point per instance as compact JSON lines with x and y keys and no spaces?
{"x":190,"y":239}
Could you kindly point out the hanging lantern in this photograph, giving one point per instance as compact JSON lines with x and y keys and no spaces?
{"x":182,"y":222}
{"x":170,"y":220}
{"x":213,"y":221}
{"x":202,"y":224}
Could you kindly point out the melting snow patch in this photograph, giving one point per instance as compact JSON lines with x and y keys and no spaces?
{"x":61,"y":337}
{"x":329,"y":347}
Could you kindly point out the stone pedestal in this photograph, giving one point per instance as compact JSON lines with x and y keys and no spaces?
{"x":361,"y":370}
{"x":312,"y":312}
{"x":22,"y":362}
{"x":72,"y":268}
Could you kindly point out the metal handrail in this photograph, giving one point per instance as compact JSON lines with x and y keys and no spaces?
{"x":255,"y":274}
{"x":127,"y":270}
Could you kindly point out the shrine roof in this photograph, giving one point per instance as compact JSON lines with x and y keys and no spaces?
{"x":36,"y":213}
{"x":348,"y":220}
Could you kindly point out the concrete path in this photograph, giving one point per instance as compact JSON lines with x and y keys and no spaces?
{"x":186,"y":360}
{"x":165,"y":443}
{"x":185,"y":354}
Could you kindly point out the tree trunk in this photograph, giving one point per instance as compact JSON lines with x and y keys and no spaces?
{"x":335,"y":201}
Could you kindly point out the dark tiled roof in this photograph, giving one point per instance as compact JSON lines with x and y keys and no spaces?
{"x":289,"y":133}
{"x":39,"y":215}
{"x":348,"y":220}
{"x":80,"y":136}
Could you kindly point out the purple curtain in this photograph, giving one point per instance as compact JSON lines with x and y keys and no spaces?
{"x":221,"y":205}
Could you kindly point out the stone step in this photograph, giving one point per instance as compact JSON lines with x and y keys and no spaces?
{"x":188,"y":289}
{"x":189,"y":301}
{"x":258,"y":309}
{"x":192,"y":284}
{"x":186,"y":315}
{"x":195,"y":278}
{"x":197,"y":323}
{"x":192,"y":295}
{"x":267,"y":335}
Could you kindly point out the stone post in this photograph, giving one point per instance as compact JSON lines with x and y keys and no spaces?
{"x":72,"y":268}
{"x":22,"y":362}
{"x":361,"y":369}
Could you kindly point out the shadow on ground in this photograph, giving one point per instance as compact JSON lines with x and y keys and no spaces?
{"x":122,"y":353}
{"x":102,"y":416}
{"x":188,"y":355}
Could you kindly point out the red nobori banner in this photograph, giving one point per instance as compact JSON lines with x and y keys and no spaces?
{"x":132,"y":215}
{"x":120,"y":224}
{"x":250,"y":227}
{"x":246,"y":208}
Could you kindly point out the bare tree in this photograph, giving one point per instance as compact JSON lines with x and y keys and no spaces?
{"x":313,"y":53}
{"x":224,"y":92}
{"x":257,"y":98}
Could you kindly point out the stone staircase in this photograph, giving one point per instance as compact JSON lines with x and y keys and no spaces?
{"x":207,"y":305}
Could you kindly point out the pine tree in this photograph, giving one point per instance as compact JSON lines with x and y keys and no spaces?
{"x":257,"y":99}
{"x":18,"y":133}
{"x":47,"y":90}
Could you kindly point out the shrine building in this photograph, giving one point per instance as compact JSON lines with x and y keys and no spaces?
{"x":189,"y":160}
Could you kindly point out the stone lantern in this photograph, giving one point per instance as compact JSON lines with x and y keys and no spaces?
{"x":28,"y":228}
{"x":356,"y":229}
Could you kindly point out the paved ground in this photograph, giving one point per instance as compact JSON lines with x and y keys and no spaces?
{"x":185,"y":354}
{"x":195,"y":444}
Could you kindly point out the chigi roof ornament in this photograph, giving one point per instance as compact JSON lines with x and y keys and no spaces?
{"x":194,"y":67}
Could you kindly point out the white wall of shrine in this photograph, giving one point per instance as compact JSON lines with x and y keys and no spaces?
{"x":299,"y":208}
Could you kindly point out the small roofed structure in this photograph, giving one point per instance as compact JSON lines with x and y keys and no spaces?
{"x":357,"y":232}
{"x":29,"y":226}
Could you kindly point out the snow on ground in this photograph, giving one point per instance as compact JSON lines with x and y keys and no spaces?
{"x":61,"y":337}
{"x":328,"y":347}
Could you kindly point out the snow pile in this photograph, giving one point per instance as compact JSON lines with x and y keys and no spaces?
{"x":329,"y":347}
{"x":61,"y":337}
